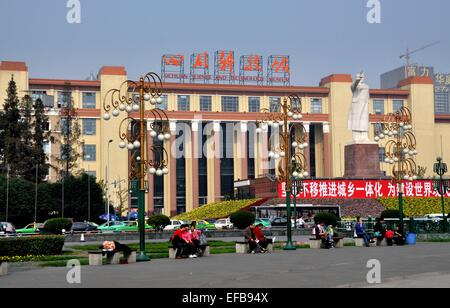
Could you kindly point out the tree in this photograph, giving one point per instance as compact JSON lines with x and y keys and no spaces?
{"x":122,"y":197}
{"x":69,"y":138}
{"x":39,"y":137}
{"x":26,"y":165}
{"x":11,"y":130}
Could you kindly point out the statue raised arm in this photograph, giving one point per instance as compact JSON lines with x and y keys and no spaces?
{"x":358,"y":120}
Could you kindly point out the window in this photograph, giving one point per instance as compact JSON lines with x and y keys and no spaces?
{"x":89,"y":152}
{"x":46,"y":147}
{"x":184,"y":103}
{"x":64,"y":98}
{"x":89,"y":127}
{"x":205,"y":103}
{"x":89,"y":100}
{"x":254,"y":104}
{"x":316,"y":105}
{"x":65,"y":152}
{"x":378,"y":128}
{"x":165,"y":102}
{"x":398,"y":103}
{"x":46,"y":126}
{"x":378,"y":106}
{"x":275,"y":104}
{"x":381,"y":154}
{"x":441,"y":101}
{"x":63,"y":126}
{"x":230,"y":103}
{"x":38,"y":95}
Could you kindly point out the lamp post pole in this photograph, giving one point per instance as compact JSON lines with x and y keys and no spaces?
{"x":133,"y":134}
{"x":107,"y":182}
{"x":36,"y":195}
{"x":292,"y":137}
{"x":7,"y":192}
{"x":441,"y":186}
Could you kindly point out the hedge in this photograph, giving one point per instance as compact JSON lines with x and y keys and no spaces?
{"x":35,"y":246}
{"x":56,"y":225}
{"x":216,"y":210}
{"x":416,"y":207}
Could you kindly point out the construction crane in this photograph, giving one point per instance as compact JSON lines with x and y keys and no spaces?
{"x":408,"y":53}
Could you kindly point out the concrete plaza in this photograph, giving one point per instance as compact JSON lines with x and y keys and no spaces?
{"x":425,"y":264}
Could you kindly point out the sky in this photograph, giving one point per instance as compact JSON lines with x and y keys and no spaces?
{"x":322,"y":37}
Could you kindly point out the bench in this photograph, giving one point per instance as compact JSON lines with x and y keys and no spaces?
{"x":359,"y":242}
{"x":317,"y":244}
{"x":96,"y":257}
{"x":244,"y":247}
{"x":3,"y":269}
{"x":173,"y":251}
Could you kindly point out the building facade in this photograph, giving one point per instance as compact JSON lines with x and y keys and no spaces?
{"x":213,"y":141}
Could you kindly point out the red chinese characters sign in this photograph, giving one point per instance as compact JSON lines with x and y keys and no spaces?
{"x":360,"y":189}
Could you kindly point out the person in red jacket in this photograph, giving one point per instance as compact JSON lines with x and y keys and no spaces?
{"x":261,"y":238}
{"x":179,"y":243}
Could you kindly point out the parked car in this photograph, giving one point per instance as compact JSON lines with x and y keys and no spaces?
{"x":204,"y":225}
{"x":264,"y":221}
{"x":7,"y":228}
{"x":279,"y":222}
{"x":111,"y":226}
{"x":130,"y":226}
{"x":31,"y":228}
{"x":224,"y":223}
{"x":174,"y":225}
{"x":83,"y":226}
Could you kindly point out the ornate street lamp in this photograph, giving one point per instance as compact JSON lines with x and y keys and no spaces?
{"x":292,"y":139}
{"x":441,"y":186}
{"x":133,"y":135}
{"x":400,"y":150}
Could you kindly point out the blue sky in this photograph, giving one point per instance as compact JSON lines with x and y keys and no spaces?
{"x":321,"y":36}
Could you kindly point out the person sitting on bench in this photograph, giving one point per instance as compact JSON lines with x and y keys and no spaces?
{"x":259,"y":235}
{"x":250,"y":238}
{"x":399,"y":237}
{"x":361,"y":232}
{"x":179,"y":243}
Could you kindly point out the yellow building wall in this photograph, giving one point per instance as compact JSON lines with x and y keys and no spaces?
{"x":339,"y":102}
{"x":21,"y":79}
{"x":421,"y":104}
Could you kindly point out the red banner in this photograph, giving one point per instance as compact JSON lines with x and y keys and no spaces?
{"x":359,"y":189}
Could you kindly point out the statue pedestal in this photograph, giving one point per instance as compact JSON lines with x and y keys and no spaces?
{"x":362,"y":161}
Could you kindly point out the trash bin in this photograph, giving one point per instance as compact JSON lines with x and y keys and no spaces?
{"x":411,"y":239}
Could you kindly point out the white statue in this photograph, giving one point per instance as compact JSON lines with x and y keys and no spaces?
{"x":358,"y":120}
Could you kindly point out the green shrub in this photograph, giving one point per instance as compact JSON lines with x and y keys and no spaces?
{"x":327,"y":218}
{"x":34,"y":246}
{"x":242,"y":220}
{"x":392,"y":213}
{"x":55,"y":225}
{"x":159,"y":221}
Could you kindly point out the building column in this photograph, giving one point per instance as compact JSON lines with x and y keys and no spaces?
{"x":150,"y":177}
{"x":217,"y":156}
{"x":170,"y":180}
{"x":213,"y":162}
{"x":241,"y":153}
{"x":244,"y":151}
{"x":326,"y":150}
{"x":307,"y":152}
{"x":192,"y":177}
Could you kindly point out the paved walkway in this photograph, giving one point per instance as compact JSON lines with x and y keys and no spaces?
{"x":424,"y":264}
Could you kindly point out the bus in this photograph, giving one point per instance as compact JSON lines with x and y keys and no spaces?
{"x":303,"y":211}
